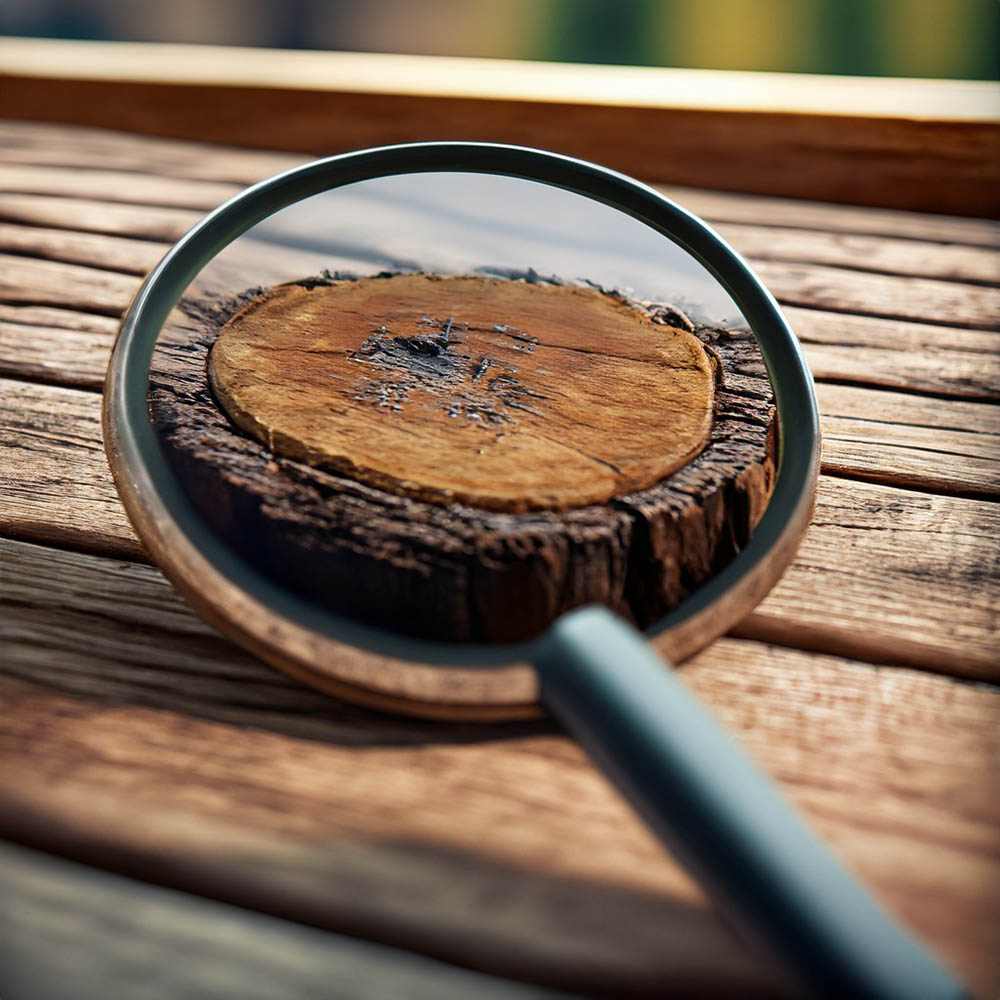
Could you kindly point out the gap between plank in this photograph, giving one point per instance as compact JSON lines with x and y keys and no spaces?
{"x":785,"y":300}
{"x":898,"y":482}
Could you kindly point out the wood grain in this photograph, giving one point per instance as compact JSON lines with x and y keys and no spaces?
{"x":62,"y":346}
{"x":57,"y":487}
{"x":860,"y":348}
{"x":139,"y":775}
{"x":897,"y":354}
{"x":120,"y":186}
{"x":892,"y":576}
{"x":838,"y":289}
{"x":69,"y":932}
{"x":903,"y":439}
{"x":896,"y":297}
{"x":24,"y":280}
{"x":143,"y":222}
{"x":503,"y":395}
{"x":72,"y":321}
{"x":728,"y":207}
{"x":853,"y":587}
{"x":153,"y":646}
{"x":111,"y":253}
{"x":862,"y":252}
{"x":36,"y":144}
{"x":660,"y":130}
{"x":785,"y":237}
{"x":903,"y":355}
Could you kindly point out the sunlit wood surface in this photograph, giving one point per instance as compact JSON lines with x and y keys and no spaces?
{"x":135,"y":738}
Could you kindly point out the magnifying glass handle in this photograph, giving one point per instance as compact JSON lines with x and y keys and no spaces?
{"x":723,"y":819}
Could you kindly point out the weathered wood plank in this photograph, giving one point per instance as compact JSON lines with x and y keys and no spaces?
{"x":904,"y":439}
{"x":54,"y":354}
{"x":59,"y":319}
{"x":908,"y":356}
{"x":892,"y":353}
{"x":115,"y":186}
{"x":770,"y":241}
{"x":728,"y":207}
{"x":882,"y":254}
{"x":152,"y":649}
{"x":68,"y":286}
{"x":55,"y":345}
{"x":892,"y":576}
{"x":817,"y":286}
{"x":760,"y":243}
{"x":68,"y":932}
{"x":884,"y":574}
{"x":111,"y":253}
{"x":887,"y":437}
{"x":57,"y":486}
{"x":139,"y":221}
{"x":129,"y":717}
{"x":206,"y":770}
{"x":897,"y":354}
{"x":837,"y":289}
{"x":40,"y":144}
{"x":894,"y":438}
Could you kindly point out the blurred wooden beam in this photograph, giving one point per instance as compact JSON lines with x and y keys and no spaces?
{"x":68,"y":931}
{"x":930,"y":145}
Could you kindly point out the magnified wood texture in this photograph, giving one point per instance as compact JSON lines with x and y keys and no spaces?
{"x":467,"y":458}
{"x":506,"y":395}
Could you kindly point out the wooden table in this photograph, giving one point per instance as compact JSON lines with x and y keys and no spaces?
{"x":136,"y":739}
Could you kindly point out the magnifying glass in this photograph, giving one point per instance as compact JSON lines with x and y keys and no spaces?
{"x":463,"y":406}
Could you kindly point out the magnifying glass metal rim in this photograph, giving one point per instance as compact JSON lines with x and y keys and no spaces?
{"x":230,"y":593}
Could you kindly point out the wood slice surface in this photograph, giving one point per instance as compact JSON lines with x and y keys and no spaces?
{"x":499,"y":394}
{"x":466,"y":458}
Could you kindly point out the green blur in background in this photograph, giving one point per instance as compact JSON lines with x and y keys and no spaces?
{"x":923,"y":38}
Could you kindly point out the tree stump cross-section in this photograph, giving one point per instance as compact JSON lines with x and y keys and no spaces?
{"x":466,"y":457}
{"x":424,"y":385}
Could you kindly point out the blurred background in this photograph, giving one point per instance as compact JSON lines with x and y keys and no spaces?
{"x":924,"y":38}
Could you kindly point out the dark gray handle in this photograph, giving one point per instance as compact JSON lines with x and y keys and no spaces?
{"x":724,"y":819}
